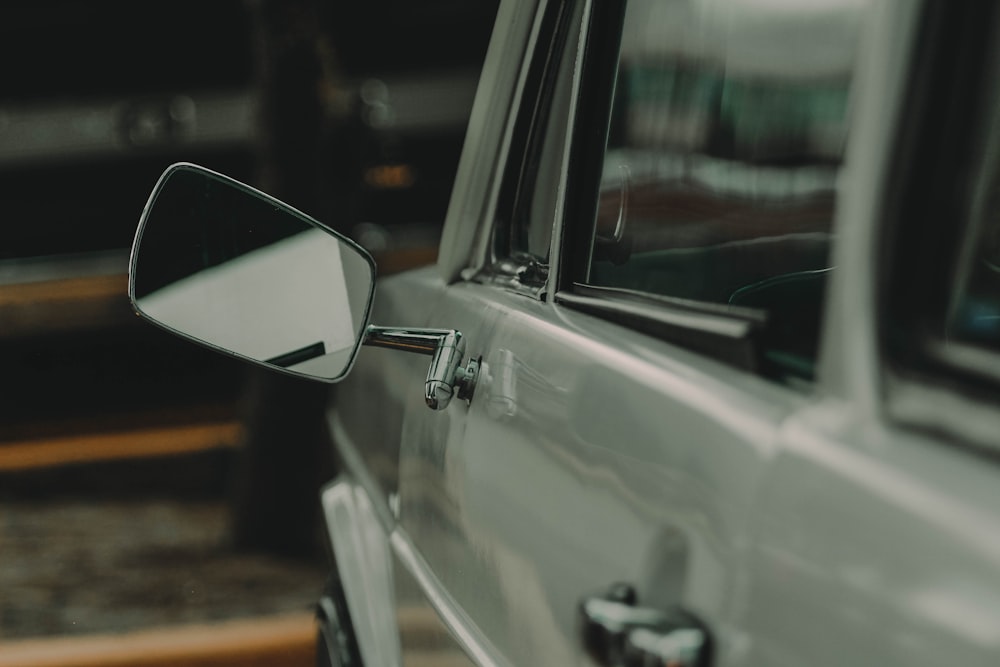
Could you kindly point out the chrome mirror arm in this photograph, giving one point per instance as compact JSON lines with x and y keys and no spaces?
{"x":446,"y":376}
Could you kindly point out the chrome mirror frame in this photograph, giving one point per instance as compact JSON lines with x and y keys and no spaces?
{"x":362,"y":333}
{"x":446,"y":376}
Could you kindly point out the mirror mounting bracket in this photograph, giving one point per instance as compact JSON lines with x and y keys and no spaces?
{"x":446,"y":376}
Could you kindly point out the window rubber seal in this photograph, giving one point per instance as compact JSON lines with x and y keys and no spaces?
{"x":730,"y":334}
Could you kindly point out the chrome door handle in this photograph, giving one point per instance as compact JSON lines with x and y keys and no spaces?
{"x":617,"y":633}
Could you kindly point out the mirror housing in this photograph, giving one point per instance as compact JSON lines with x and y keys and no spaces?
{"x":234,"y":269}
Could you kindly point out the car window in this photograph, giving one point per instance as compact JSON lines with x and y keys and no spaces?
{"x":718,"y":185}
{"x":969,"y":335}
{"x":523,"y":235}
{"x":536,"y":219}
{"x":973,"y":316}
{"x":939,"y":237}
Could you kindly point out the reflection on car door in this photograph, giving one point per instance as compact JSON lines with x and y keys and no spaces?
{"x":587,"y":457}
{"x":635,"y":377}
{"x":593,"y":453}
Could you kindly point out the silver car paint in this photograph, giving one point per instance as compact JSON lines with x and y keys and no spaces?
{"x":488,"y":137}
{"x":874,"y":544}
{"x":803,"y":528}
{"x":623,"y":461}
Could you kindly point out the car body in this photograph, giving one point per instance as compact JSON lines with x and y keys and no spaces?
{"x":722,"y":273}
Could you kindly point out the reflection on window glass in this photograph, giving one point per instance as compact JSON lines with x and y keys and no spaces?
{"x":975,"y":309}
{"x":530,"y":233}
{"x":728,"y":130}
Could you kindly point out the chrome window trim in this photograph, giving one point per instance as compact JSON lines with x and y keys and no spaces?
{"x":468,"y":226}
{"x":704,"y":317}
{"x":723,"y":334}
{"x":559,"y":214}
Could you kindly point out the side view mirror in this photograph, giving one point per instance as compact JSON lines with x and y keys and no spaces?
{"x":231,"y":268}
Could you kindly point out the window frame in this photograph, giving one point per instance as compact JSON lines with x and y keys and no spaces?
{"x":518,"y":180}
{"x":940,"y":175}
{"x":730,"y":335}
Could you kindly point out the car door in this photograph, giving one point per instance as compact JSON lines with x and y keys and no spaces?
{"x":636,"y":251}
{"x":876,"y":538}
{"x":631,"y":391}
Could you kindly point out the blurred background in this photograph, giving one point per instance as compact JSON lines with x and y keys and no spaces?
{"x":144,"y":481}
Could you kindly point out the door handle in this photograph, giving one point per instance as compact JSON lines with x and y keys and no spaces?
{"x":618,"y":633}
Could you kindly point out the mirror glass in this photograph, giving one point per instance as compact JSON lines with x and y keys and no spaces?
{"x":232,"y":268}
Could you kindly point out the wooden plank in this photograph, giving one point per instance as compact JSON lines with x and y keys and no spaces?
{"x":68,"y":304}
{"x":454,"y":658}
{"x":279,"y":641}
{"x":85,"y":288}
{"x":404,"y":259}
{"x":137,"y":443}
{"x":99,"y":301}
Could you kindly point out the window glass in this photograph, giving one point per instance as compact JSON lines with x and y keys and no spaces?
{"x":973,"y":316}
{"x":533,"y":217}
{"x":718,"y":185}
{"x":938,"y":249}
{"x":526,"y":240}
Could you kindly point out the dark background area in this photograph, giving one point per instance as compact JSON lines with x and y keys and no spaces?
{"x":352,"y":112}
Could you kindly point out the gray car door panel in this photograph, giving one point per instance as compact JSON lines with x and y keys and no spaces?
{"x":589,"y":455}
{"x":872,"y":546}
{"x":369,"y":407}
